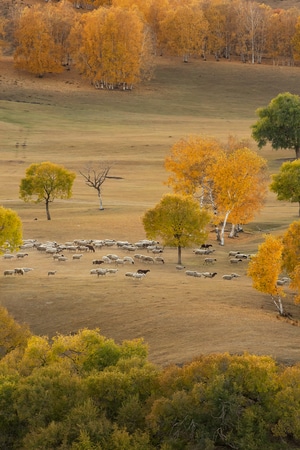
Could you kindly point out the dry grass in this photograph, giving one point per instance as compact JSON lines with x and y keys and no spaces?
{"x":65,"y":121}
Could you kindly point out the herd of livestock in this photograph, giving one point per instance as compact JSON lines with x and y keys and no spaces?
{"x":111,"y":262}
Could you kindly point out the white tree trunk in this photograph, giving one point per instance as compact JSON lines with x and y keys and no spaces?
{"x":222,"y":240}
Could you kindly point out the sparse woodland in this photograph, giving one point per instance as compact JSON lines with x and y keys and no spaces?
{"x":113,"y":43}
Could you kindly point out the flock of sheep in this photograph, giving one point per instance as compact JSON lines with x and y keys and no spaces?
{"x":140,"y":253}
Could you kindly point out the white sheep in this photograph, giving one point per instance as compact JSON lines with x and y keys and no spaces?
{"x":148,"y":259}
{"x":62,"y":258}
{"x":190,"y":273}
{"x":128,"y":259}
{"x":77,"y":256}
{"x":235,"y":260}
{"x":209,"y":260}
{"x":209,"y":274}
{"x":101,"y":272}
{"x":230,"y":277}
{"x":21,"y":255}
{"x":9,"y":272}
{"x":8,"y":256}
{"x":112,"y":271}
{"x":179,"y":267}
{"x":27,"y":269}
{"x":159,"y":259}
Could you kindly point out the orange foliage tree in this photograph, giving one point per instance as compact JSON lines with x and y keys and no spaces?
{"x":291,"y":255}
{"x":110,"y":48}
{"x":183,"y":29}
{"x":264,"y":269}
{"x":36,"y":51}
{"x":232,"y":183}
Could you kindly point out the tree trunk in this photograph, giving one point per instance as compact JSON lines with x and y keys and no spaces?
{"x":47,"y":210}
{"x":179,"y":254}
{"x":297,"y":151}
{"x":299,"y":209}
{"x":279,"y":306}
{"x":100,"y":201}
{"x":223,"y":228}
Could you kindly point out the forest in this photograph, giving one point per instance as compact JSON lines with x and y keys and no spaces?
{"x":113,"y":43}
{"x":84,"y":391}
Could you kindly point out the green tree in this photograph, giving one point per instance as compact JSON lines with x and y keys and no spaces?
{"x":46,"y":181}
{"x":178,"y":221}
{"x":10,"y":230}
{"x":286,"y":184}
{"x":12,"y":334}
{"x":279,"y":123}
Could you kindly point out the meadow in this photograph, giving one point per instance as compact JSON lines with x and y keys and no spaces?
{"x":63,"y":119}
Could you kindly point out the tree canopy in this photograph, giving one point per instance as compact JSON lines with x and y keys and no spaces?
{"x":279,"y":123}
{"x":178,"y":221}
{"x":286,"y":184}
{"x":229,"y":180}
{"x":46,"y":181}
{"x":10,"y":230}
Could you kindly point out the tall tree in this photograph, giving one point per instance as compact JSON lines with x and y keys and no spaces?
{"x":265,"y":267}
{"x":10,"y":230}
{"x":240,"y":186}
{"x":95,"y":177}
{"x":36,"y":50}
{"x":178,"y":221}
{"x":291,"y":256}
{"x":229,"y":180}
{"x":279,"y":123}
{"x":46,"y":181}
{"x":111,"y":45}
{"x":286,"y":184}
{"x":183,"y":29}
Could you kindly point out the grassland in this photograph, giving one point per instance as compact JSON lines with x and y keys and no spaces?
{"x":63,"y":119}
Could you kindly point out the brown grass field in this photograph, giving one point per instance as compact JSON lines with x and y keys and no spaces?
{"x":64,"y":120}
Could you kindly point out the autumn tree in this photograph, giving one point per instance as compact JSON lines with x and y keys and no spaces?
{"x":183,"y":29}
{"x":279,"y":123}
{"x":239,"y":180}
{"x":36,"y":50}
{"x":286,"y":184}
{"x":46,"y":181}
{"x":10,"y":230}
{"x":178,"y":221}
{"x":291,"y":255}
{"x":265,"y":267}
{"x":12,"y":334}
{"x":229,"y":180}
{"x":95,"y":177}
{"x":110,"y":47}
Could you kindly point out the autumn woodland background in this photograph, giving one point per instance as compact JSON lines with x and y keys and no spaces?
{"x":59,"y":116}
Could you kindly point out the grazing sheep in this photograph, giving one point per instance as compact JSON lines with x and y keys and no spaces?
{"x":51,"y":272}
{"x":119,"y":261}
{"x":190,"y":273}
{"x":9,"y":272}
{"x":206,"y":245}
{"x":230,"y":277}
{"x":235,"y":260}
{"x":21,"y":255}
{"x":62,"y":258}
{"x":113,"y":271}
{"x":78,"y":256}
{"x":128,"y":259}
{"x":129,"y":274}
{"x":203,"y":251}
{"x":148,"y":259}
{"x":209,"y":274}
{"x":98,"y":261}
{"x":8,"y":256}
{"x":93,"y":271}
{"x":19,"y":271}
{"x":233,"y":253}
{"x":112,"y":257}
{"x":138,"y":276}
{"x":179,"y":267}
{"x":242,"y":256}
{"x":27,"y":269}
{"x":138,"y":256}
{"x":144,"y":271}
{"x":101,"y":272}
{"x":210,"y":260}
{"x":159,"y":259}
{"x":57,"y":255}
{"x":282,"y":281}
{"x":106,"y":260}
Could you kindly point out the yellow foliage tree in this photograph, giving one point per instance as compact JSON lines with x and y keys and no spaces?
{"x":36,"y":50}
{"x":183,"y":29}
{"x":264,"y":269}
{"x":231,"y":182}
{"x":111,"y":45}
{"x":291,"y":256}
{"x":10,"y":230}
{"x":240,"y":186}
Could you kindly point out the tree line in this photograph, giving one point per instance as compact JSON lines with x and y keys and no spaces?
{"x":113,"y":43}
{"x":85,"y":391}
